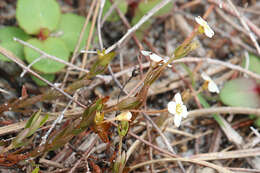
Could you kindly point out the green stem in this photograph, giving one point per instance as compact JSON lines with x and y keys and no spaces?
{"x":205,"y":104}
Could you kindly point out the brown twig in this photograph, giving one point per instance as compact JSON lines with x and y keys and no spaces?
{"x":165,"y":140}
{"x":244,"y":21}
{"x":208,"y":111}
{"x":102,"y":47}
{"x":84,"y":59}
{"x":136,"y":26}
{"x":75,"y":52}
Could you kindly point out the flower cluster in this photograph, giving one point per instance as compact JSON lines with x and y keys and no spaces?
{"x":177,"y":108}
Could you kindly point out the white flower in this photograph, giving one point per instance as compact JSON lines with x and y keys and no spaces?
{"x":154,"y":57}
{"x":212,"y":87}
{"x":124,"y":116}
{"x":207,"y":30}
{"x":178,"y":109}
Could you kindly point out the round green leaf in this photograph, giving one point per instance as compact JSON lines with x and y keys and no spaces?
{"x":254,"y":63}
{"x":34,"y":15}
{"x":146,"y":5}
{"x":52,"y":46}
{"x":49,"y":77}
{"x":122,"y":6}
{"x":71,"y":26}
{"x":6,"y":40}
{"x":240,"y":92}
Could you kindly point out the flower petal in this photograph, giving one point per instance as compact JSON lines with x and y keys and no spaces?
{"x":209,"y":32}
{"x":146,"y":53}
{"x":155,"y":57}
{"x":177,"y":120}
{"x":169,"y":65}
{"x":184,"y":113}
{"x":124,"y":116}
{"x":171,"y":107}
{"x":205,"y":76}
{"x":178,"y":98}
{"x":200,"y":21}
{"x":213,"y":87}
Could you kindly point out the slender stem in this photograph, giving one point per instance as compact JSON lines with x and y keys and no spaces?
{"x":136,"y":26}
{"x":31,"y":64}
{"x":165,"y":140}
{"x":85,"y":55}
{"x":80,"y":40}
{"x":208,"y":111}
{"x":216,"y":167}
{"x":49,"y":56}
{"x":105,"y":78}
{"x":242,"y":20}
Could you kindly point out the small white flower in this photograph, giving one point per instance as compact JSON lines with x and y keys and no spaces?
{"x":207,"y":30}
{"x":124,"y":116}
{"x":212,"y":87}
{"x":178,"y":109}
{"x":154,"y":57}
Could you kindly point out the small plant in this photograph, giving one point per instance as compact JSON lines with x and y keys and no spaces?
{"x":46,"y":28}
{"x":114,"y":120}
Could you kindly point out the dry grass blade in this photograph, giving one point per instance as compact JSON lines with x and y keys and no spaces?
{"x":199,"y":162}
{"x":228,"y":155}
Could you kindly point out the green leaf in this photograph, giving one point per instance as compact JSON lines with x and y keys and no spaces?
{"x":6,"y":40}
{"x":129,"y":103}
{"x":143,"y":8}
{"x":34,"y":15}
{"x":71,"y":26}
{"x":33,"y":118}
{"x":52,"y":46}
{"x":101,"y":64}
{"x":19,"y":139}
{"x":240,"y":92}
{"x":44,"y":120}
{"x":205,"y":104}
{"x":123,"y":128}
{"x":122,"y":6}
{"x":37,"y":124}
{"x":257,"y":122}
{"x":49,"y":77}
{"x":146,"y":5}
{"x":254,"y":63}
{"x":36,"y":170}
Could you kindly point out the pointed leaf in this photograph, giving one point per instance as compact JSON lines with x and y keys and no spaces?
{"x":33,"y":118}
{"x":37,"y":124}
{"x":36,"y":170}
